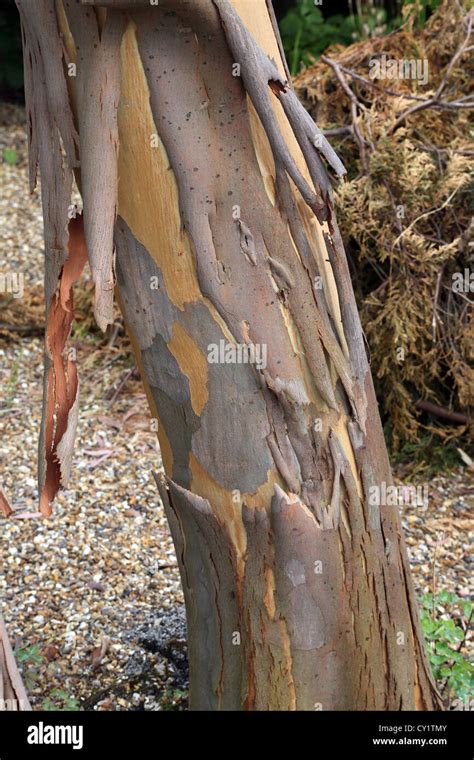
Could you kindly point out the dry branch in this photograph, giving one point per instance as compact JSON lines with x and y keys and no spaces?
{"x":12,"y":691}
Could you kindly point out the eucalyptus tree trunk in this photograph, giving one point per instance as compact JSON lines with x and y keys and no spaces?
{"x":205,"y":181}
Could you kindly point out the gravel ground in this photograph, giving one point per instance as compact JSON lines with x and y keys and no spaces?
{"x":92,"y":598}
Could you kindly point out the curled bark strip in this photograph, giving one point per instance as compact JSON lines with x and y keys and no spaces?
{"x":307,"y":132}
{"x":12,"y":691}
{"x":281,"y":274}
{"x":205,"y":549}
{"x":5,"y":507}
{"x":259,"y":73}
{"x":53,"y":143}
{"x":62,"y":406}
{"x":98,"y":93}
{"x":45,"y":84}
{"x":52,"y":137}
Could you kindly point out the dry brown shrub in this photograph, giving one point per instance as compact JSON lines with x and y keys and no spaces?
{"x":419,"y":329}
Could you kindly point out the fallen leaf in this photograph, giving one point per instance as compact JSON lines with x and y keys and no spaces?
{"x":99,"y":652}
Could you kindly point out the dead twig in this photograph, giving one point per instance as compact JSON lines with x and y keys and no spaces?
{"x":435,"y":320}
{"x":438,"y":411}
{"x":356,"y":108}
{"x":23,"y":329}
{"x":435,"y":101}
{"x":122,"y":383}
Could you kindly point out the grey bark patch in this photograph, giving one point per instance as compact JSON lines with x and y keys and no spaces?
{"x":229,"y":438}
{"x":208,"y":571}
{"x":170,"y":390}
{"x":295,"y":572}
{"x":145,"y":302}
{"x":231,"y":441}
{"x":307,"y":628}
{"x":175,"y":419}
{"x":281,"y":273}
{"x":163,"y":372}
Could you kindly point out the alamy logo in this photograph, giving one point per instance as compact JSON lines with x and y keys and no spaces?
{"x":237,"y":353}
{"x":12,"y":704}
{"x":463,"y":282}
{"x":387,"y":495}
{"x":42,"y":734}
{"x":12,"y":282}
{"x":399,"y":68}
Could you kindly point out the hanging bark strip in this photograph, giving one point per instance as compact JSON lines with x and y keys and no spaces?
{"x":97,"y":43}
{"x":54,"y":146}
{"x":296,"y":584}
{"x":5,"y":507}
{"x":13,"y":695}
{"x":62,"y":407}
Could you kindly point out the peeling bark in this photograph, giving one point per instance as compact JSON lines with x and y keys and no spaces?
{"x":97,"y":46}
{"x":297,"y":588}
{"x":13,"y":695}
{"x":61,"y":382}
{"x":5,"y":507}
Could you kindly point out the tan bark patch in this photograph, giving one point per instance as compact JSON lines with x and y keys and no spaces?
{"x":194,"y":365}
{"x":152,"y":216}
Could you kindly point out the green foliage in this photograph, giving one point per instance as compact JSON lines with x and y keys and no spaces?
{"x":29,"y":656}
{"x":10,"y":156}
{"x":305,"y":33}
{"x":445,"y":618}
{"x":420,"y":10}
{"x":174,"y":700}
{"x":29,"y":659}
{"x":431,"y":455}
{"x":60,"y":700}
{"x":11,"y":384}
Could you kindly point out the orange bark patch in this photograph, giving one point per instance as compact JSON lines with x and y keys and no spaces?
{"x":62,"y":381}
{"x":193,"y":363}
{"x":5,"y":507}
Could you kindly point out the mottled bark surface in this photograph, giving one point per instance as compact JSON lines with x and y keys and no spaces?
{"x":297,"y":587}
